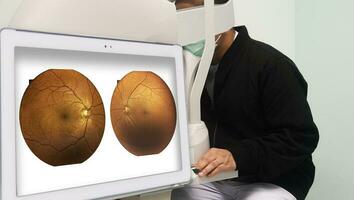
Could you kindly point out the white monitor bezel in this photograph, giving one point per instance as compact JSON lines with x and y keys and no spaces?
{"x":14,"y":38}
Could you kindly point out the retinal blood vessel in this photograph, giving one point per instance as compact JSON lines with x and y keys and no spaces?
{"x":62,"y":117}
{"x":143,"y":113}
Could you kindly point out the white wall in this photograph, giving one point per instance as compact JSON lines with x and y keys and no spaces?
{"x":325,"y":54}
{"x":6,"y":8}
{"x":270,"y":21}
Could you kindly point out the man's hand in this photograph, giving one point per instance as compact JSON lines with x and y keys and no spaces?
{"x":215,"y":161}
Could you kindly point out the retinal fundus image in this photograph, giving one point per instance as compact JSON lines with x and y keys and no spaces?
{"x":143,"y":113}
{"x":62,"y":117}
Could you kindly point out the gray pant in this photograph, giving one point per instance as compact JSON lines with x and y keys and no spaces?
{"x":230,"y":190}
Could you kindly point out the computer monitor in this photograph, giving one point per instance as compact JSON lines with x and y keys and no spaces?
{"x":90,"y":118}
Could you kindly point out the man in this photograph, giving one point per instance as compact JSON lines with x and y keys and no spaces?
{"x":254,"y":105}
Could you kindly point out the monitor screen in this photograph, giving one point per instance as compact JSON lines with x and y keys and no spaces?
{"x":84,"y":118}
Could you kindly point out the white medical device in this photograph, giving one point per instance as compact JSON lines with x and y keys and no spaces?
{"x":92,"y":26}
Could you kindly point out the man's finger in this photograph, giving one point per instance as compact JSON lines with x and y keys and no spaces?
{"x":201,"y":164}
{"x":217,"y":170}
{"x":204,"y":161}
{"x":210,"y":167}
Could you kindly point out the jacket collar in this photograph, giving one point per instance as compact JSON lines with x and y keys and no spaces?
{"x":230,"y":58}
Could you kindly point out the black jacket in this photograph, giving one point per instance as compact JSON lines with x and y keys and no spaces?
{"x":262,"y":117}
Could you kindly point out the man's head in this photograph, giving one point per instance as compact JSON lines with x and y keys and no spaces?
{"x":224,"y":39}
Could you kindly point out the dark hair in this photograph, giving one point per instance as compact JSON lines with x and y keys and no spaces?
{"x":215,"y":1}
{"x":220,"y":1}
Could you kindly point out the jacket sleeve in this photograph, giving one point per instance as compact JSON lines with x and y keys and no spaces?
{"x":292,"y":134}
